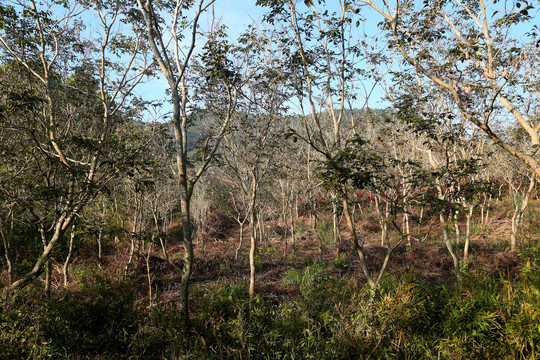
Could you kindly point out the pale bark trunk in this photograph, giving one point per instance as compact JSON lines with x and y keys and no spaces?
{"x":131,"y":253}
{"x":293,"y":228}
{"x":373,"y":282}
{"x":65,"y":268}
{"x":260,"y":225}
{"x":47,"y":264}
{"x":406,"y":225}
{"x":164,"y":248}
{"x":519,"y":210}
{"x":188,"y":258}
{"x":161,"y":242}
{"x":356,"y":245}
{"x":448,"y":244}
{"x":148,"y":272}
{"x":239,"y":242}
{"x":456,"y":227}
{"x":319,"y":239}
{"x":335,"y":228}
{"x":98,"y":239}
{"x":132,"y":239}
{"x":253,"y":238}
{"x":6,"y":243}
{"x":467,"y":232}
{"x":48,"y":277}
{"x":482,"y":214}
{"x":36,"y":271}
{"x":382,"y":218}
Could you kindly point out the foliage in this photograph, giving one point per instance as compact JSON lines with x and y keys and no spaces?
{"x":305,"y":279}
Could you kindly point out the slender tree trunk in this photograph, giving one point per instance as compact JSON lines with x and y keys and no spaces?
{"x":456,"y":227}
{"x":313,"y":224}
{"x":188,"y":256}
{"x":65,"y":268}
{"x":448,"y":244}
{"x":6,"y":243}
{"x":163,"y":244}
{"x":320,"y":242}
{"x":253,"y":238}
{"x":37,"y":270}
{"x":48,"y":276}
{"x":335,"y":226}
{"x":284,"y":215}
{"x":519,"y":209}
{"x":132,"y":239}
{"x":406,"y":225}
{"x":382,"y":219}
{"x":131,"y":253}
{"x":293,"y":228}
{"x":148,"y":272}
{"x":482,"y":214}
{"x":356,"y":245}
{"x":373,"y":282}
{"x":239,"y":241}
{"x":99,"y":237}
{"x":260,"y":225}
{"x":47,"y":263}
{"x":468,"y":218}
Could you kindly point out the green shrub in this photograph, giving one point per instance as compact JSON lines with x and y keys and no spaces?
{"x":305,"y":279}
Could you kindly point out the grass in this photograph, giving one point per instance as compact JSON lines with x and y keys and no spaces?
{"x":328,"y":318}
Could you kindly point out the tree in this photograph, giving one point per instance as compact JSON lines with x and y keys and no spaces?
{"x":248,"y":155}
{"x":324,"y":76}
{"x":63,"y":113}
{"x":174,"y":52}
{"x":483,"y":54}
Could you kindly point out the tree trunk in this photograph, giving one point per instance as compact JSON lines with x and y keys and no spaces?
{"x":65,"y":268}
{"x":6,"y":243}
{"x":519,"y":209}
{"x":99,"y":237}
{"x":448,"y":244}
{"x":131,"y":253}
{"x":456,"y":227}
{"x":406,"y":225}
{"x":132,"y":239}
{"x":468,"y":218}
{"x":335,"y":226}
{"x":164,"y":248}
{"x":36,"y":271}
{"x":239,"y":241}
{"x":382,"y":219}
{"x":148,"y":272}
{"x":293,"y":229}
{"x":47,"y":264}
{"x":371,"y":280}
{"x":188,"y":258}
{"x":48,"y":276}
{"x":260,"y":225}
{"x":253,"y":238}
{"x":356,"y":245}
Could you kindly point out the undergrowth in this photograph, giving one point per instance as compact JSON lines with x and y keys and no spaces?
{"x":322,"y":317}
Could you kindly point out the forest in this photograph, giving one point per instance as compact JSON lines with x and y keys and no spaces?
{"x":335,"y":179}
